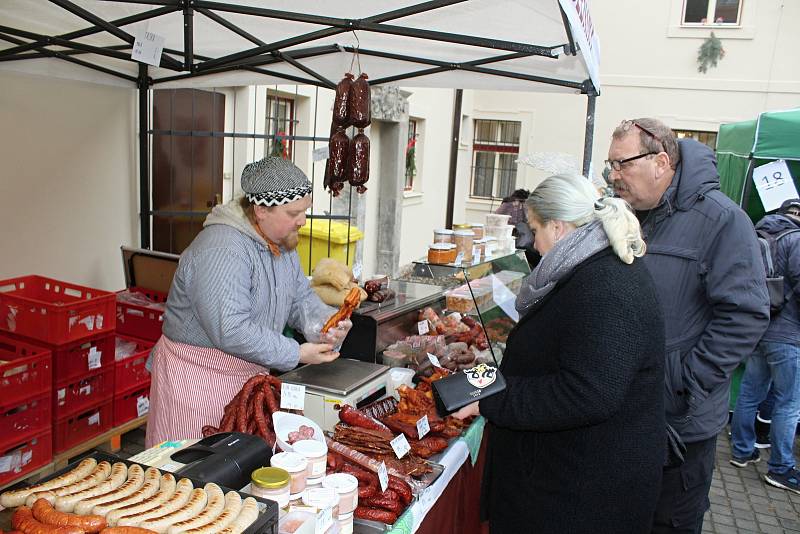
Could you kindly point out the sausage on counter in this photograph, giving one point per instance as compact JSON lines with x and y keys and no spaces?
{"x":340,"y":103}
{"x":23,"y":520}
{"x":12,"y":499}
{"x":358,"y":105}
{"x":126,"y":530}
{"x":358,"y":164}
{"x":375,"y":514}
{"x":44,"y":512}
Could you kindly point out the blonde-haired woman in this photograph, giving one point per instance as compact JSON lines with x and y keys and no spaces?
{"x":576,"y":441}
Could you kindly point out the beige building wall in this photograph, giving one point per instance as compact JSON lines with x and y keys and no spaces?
{"x":68,"y":182}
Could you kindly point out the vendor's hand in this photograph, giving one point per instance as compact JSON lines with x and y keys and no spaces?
{"x":317,"y":353}
{"x":335,"y":336}
{"x":469,"y":410}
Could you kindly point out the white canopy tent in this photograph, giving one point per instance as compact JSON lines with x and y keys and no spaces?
{"x":523,"y":45}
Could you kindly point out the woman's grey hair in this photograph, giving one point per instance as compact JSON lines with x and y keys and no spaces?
{"x":573,"y":199}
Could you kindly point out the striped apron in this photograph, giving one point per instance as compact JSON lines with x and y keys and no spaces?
{"x":189,"y":389}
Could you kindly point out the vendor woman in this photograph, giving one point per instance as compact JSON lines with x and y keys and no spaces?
{"x":237,"y":286}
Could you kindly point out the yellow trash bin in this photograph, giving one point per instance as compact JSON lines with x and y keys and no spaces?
{"x":316,"y":244}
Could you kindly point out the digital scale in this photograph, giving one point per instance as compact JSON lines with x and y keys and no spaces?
{"x":342,"y":381}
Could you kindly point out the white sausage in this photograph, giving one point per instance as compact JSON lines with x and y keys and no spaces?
{"x":119,"y":472}
{"x":152,"y":479}
{"x":100,"y":473}
{"x":233,"y":505}
{"x":134,"y":482}
{"x":214,"y":507}
{"x":160,"y":524}
{"x":178,"y":500}
{"x":166,"y":490}
{"x":12,"y":499}
{"x":246,"y":517}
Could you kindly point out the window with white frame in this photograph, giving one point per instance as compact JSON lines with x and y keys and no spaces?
{"x":280,"y":124}
{"x":711,"y":12}
{"x":495,"y":149}
{"x":411,"y":155}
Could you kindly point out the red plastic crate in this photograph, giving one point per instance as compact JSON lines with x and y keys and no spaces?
{"x":131,"y":371}
{"x":27,"y":371}
{"x":75,"y":429}
{"x":21,"y":419}
{"x":53,"y":311}
{"x":73,"y":396}
{"x":81,"y":358}
{"x":132,"y":404}
{"x":25,"y":456}
{"x":140,"y":321}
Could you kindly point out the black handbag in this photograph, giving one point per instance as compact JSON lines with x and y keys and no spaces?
{"x":465,"y":387}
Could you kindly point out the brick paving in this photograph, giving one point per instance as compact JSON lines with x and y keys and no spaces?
{"x":741,"y":502}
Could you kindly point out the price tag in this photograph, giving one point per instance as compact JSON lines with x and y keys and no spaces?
{"x":383,"y":476}
{"x":459,"y":258}
{"x":94,"y":419}
{"x":85,"y":390}
{"x":94,"y":358}
{"x":321,"y":153}
{"x":422,"y":327}
{"x":400,"y":446}
{"x":476,"y":253}
{"x":147,"y":48}
{"x":423,"y":427}
{"x":27,"y":456}
{"x":434,"y":360}
{"x":774,"y":184}
{"x":142,"y":405}
{"x":293,"y":396}
{"x":62,"y":394}
{"x":5,"y":464}
{"x":324,"y":521}
{"x":357,"y":268}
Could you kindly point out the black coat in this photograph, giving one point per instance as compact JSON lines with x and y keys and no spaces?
{"x":576,"y":441}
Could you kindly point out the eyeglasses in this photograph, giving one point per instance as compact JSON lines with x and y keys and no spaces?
{"x":628,"y":124}
{"x":616,"y":164}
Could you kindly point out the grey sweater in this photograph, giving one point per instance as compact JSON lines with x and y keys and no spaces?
{"x":230,"y":293}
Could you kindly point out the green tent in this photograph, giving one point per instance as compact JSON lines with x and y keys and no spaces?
{"x":742,"y":146}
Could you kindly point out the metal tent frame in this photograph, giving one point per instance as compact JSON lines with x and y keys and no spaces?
{"x":182,"y":65}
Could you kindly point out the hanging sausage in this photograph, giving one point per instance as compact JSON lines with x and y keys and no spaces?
{"x":358,"y":104}
{"x":338,"y":149}
{"x":341,"y":102}
{"x":358,"y":165}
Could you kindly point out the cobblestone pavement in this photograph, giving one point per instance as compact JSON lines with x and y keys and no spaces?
{"x":742,"y":502}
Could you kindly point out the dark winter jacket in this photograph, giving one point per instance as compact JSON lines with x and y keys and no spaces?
{"x":576,"y":441}
{"x":704,"y":257}
{"x":785,"y":326}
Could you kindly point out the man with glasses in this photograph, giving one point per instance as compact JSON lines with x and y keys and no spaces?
{"x":704,"y":257}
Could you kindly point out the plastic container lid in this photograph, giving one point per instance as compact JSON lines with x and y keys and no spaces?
{"x":340,"y":482}
{"x":442,"y":246}
{"x":320,"y":498}
{"x":310,"y":448}
{"x":290,"y":461}
{"x":443,"y":231}
{"x":270,"y":477}
{"x":464,"y":232}
{"x":477,"y":225}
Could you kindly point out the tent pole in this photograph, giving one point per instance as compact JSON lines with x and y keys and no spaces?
{"x":748,"y":184}
{"x":451,"y":184}
{"x":588,"y":139}
{"x":188,"y":37}
{"x":144,"y":158}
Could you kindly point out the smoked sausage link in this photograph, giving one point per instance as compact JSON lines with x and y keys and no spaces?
{"x":338,"y":149}
{"x":44,"y":512}
{"x":358,"y":165}
{"x":358,"y":105}
{"x":340,"y":103}
{"x":23,"y":520}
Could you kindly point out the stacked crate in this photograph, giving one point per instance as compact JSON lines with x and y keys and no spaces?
{"x":76,"y":325}
{"x":26,"y":442}
{"x":138,"y":324}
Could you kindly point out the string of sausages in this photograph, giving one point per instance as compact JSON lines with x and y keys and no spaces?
{"x":348,"y":159}
{"x":251,"y":409}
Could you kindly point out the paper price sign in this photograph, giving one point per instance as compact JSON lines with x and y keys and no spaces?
{"x":383,"y":476}
{"x":85,"y":390}
{"x":459,"y":258}
{"x":320,"y":154}
{"x":423,"y":427}
{"x":774,"y":184}
{"x":422,"y":327}
{"x":94,"y":419}
{"x":293,"y":396}
{"x":324,"y":521}
{"x":400,"y":446}
{"x":476,"y":253}
{"x":434,"y":360}
{"x":142,"y":405}
{"x":94,"y":358}
{"x":147,"y":48}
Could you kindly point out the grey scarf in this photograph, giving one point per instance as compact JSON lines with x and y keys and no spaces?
{"x":565,"y":255}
